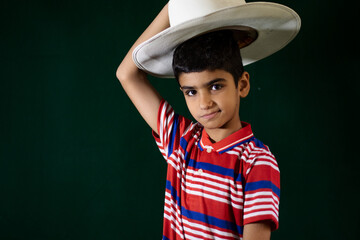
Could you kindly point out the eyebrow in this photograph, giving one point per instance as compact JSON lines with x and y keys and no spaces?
{"x":216,"y":80}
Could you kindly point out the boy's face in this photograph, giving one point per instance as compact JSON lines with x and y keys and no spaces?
{"x":213,"y":99}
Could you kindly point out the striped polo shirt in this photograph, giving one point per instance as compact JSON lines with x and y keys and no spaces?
{"x":214,"y":189}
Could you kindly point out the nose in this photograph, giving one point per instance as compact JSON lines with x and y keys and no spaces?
{"x":205,"y":101}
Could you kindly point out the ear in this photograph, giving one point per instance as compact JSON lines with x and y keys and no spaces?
{"x":244,"y":84}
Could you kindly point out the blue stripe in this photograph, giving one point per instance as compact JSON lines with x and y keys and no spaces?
{"x":259,"y":144}
{"x":173,"y":192}
{"x":173,"y":134}
{"x":251,"y":186}
{"x":202,"y":217}
{"x":200,"y":147}
{"x":183,"y":145}
{"x":211,"y":220}
{"x":207,"y":166}
{"x":215,"y":169}
{"x":242,"y":142}
{"x":165,"y":238}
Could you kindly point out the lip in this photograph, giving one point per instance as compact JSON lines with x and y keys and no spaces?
{"x":209,"y":116}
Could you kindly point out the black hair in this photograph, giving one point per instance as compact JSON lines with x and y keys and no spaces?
{"x":210,"y":51}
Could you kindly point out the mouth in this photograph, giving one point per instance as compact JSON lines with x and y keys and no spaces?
{"x":210,"y":115}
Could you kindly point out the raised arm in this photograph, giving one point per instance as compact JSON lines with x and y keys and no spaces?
{"x":134,"y":81}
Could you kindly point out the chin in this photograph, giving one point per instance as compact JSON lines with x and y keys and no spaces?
{"x":211,"y":125}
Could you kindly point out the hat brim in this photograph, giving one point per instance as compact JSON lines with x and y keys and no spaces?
{"x":276,"y":25}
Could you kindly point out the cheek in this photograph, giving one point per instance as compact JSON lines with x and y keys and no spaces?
{"x":230,"y":102}
{"x":191,"y":106}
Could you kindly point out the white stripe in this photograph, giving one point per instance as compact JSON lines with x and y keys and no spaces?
{"x":263,"y":156}
{"x":208,"y":229}
{"x":173,"y":227}
{"x":162,"y":151}
{"x":202,"y":234}
{"x":225,"y":180}
{"x":239,"y":194}
{"x":162,"y":114}
{"x":257,"y":163}
{"x":172,"y":163}
{"x":172,"y":219}
{"x":176,"y":159}
{"x":198,"y":186}
{"x":240,"y":140}
{"x":235,"y":189}
{"x":170,"y":124}
{"x":249,"y":215}
{"x":237,"y":150}
{"x":208,"y":175}
{"x":233,"y":153}
{"x":168,"y":127}
{"x":191,"y":127}
{"x":187,"y":236}
{"x":246,"y":153}
{"x":177,"y":226}
{"x":266,"y":206}
{"x":257,"y":194}
{"x":172,"y":210}
{"x":260,"y":200}
{"x":215,"y":198}
{"x":257,"y":160}
{"x":172,"y":203}
{"x":165,"y":122}
{"x":197,"y":179}
{"x":169,"y":209}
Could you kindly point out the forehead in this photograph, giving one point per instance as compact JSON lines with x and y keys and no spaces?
{"x":197,"y":79}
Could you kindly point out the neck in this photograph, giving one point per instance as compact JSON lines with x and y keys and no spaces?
{"x":218,"y":134}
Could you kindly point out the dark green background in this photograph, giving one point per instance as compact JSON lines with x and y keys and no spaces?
{"x":78,"y":162}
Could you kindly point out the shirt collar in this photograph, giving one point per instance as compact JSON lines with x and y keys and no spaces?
{"x":239,"y":137}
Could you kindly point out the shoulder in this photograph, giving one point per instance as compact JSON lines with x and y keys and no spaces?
{"x":173,"y":127}
{"x":256,"y":153}
{"x":257,"y":148}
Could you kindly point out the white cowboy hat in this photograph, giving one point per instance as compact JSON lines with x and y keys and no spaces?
{"x":275,"y":26}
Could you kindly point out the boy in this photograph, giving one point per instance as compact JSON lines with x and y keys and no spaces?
{"x":222,"y":182}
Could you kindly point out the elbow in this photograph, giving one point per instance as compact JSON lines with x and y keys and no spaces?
{"x":126,"y":74}
{"x":120,"y":74}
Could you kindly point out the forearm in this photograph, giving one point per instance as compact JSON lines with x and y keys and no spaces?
{"x":127,"y":69}
{"x":134,"y":81}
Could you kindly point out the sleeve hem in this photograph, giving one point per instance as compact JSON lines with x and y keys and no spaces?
{"x":274,"y":223}
{"x":155,"y":135}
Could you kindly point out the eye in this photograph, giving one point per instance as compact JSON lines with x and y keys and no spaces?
{"x":190,"y":93}
{"x":216,"y":87}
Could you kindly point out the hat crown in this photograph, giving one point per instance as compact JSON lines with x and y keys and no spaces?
{"x":183,"y":10}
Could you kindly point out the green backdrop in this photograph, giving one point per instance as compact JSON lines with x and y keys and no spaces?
{"x":78,"y":162}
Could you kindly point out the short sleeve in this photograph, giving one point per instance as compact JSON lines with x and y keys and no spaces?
{"x":171,"y":128}
{"x":262,"y":188}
